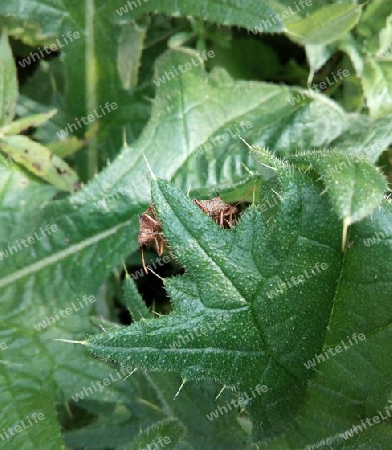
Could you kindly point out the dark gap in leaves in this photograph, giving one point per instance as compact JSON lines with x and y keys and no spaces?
{"x":149,"y":285}
{"x":21,"y":52}
{"x":73,"y":416}
{"x":124,"y":316}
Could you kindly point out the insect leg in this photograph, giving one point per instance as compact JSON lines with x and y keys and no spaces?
{"x":143,"y":261}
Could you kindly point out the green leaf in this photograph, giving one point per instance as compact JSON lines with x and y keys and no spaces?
{"x":354,"y":50}
{"x":130,"y":49}
{"x":8,"y":83}
{"x":336,"y":400}
{"x":38,"y":160}
{"x":49,"y":17}
{"x":201,"y":400}
{"x":133,"y":301}
{"x":102,"y":78}
{"x":376,"y":80}
{"x":372,"y":23}
{"x":165,"y":434}
{"x":385,"y":42}
{"x":20,"y":191}
{"x":326,"y":25}
{"x":65,"y":147}
{"x":354,"y":186}
{"x":27,"y":424}
{"x":230,"y":276}
{"x":17,"y":126}
{"x":225,"y":270}
{"x":193,"y":399}
{"x":35,"y":23}
{"x":63,"y":369}
{"x":317,"y":56}
{"x":365,"y":137}
{"x":212,"y":153}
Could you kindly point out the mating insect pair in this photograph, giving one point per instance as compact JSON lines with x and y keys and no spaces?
{"x":150,"y":232}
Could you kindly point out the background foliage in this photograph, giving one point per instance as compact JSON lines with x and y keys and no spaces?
{"x":315,"y":152}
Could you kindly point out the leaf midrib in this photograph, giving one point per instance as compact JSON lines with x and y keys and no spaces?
{"x":61,"y":255}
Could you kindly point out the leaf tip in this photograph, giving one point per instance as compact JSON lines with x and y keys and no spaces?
{"x":346,"y":224}
{"x":180,"y":388}
{"x":149,"y":168}
{"x":70,"y":341}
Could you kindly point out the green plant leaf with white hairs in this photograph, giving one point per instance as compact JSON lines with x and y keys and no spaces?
{"x":263,"y":279}
{"x":354,"y":186}
{"x":326,"y":25}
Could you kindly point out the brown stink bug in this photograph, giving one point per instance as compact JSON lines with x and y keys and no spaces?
{"x":150,"y":232}
{"x":220,"y":212}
